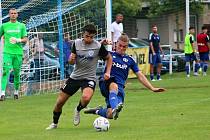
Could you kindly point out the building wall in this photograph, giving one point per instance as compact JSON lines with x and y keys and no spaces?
{"x":129,"y":25}
{"x":142,"y":28}
{"x":162,"y":24}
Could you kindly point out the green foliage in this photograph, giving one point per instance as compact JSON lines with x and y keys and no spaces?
{"x":158,"y":8}
{"x":126,"y":7}
{"x":196,"y":7}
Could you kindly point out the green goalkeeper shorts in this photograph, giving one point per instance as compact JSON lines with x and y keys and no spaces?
{"x":12,"y":61}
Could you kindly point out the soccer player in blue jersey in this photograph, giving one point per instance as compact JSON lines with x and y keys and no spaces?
{"x":154,"y":53}
{"x":113,"y":88}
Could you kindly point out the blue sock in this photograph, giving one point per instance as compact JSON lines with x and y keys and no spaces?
{"x":102,"y":112}
{"x":197,"y":66}
{"x":113,"y":100}
{"x":151,"y":76}
{"x":158,"y":76}
{"x":201,"y":65}
{"x":187,"y":69}
{"x":205,"y":67}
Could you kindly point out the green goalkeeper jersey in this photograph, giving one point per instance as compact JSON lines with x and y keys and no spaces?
{"x":17,"y":30}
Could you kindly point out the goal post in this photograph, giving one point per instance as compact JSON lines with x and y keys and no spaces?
{"x":1,"y":50}
{"x":52,"y":19}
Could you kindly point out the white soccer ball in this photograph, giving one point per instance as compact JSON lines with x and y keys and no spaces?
{"x":101,"y":124}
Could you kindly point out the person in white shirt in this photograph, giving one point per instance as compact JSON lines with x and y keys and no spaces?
{"x":116,"y":29}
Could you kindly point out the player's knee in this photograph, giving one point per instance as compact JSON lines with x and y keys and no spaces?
{"x":5,"y":71}
{"x":109,"y":114}
{"x":113,"y":86}
{"x":86,"y":98}
{"x":59,"y":105}
{"x":187,"y":64}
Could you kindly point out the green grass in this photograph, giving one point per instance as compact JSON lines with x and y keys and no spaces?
{"x":181,"y":113}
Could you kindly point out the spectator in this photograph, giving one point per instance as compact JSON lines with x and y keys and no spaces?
{"x":116,"y":29}
{"x":189,"y":51}
{"x":38,"y":53}
{"x":154,"y":53}
{"x":67,"y":43}
{"x":203,"y":49}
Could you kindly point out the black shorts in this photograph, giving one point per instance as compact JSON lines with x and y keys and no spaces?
{"x":71,"y":86}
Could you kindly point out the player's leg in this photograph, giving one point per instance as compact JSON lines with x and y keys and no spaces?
{"x":159,"y":67}
{"x":118,"y":108}
{"x":205,"y":67}
{"x":7,"y":65}
{"x":201,"y":60}
{"x":109,"y":89}
{"x":104,"y":88}
{"x":205,"y":64}
{"x":61,"y":100}
{"x":197,"y":64}
{"x":17,"y":62}
{"x":151,"y":61}
{"x":187,"y":64}
{"x":69,"y":88}
{"x":88,"y":87}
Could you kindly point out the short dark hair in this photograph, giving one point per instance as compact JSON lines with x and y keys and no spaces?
{"x":154,"y":25}
{"x":90,"y":28}
{"x":191,"y":27}
{"x":204,"y":27}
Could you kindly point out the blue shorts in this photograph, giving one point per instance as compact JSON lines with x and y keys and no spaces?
{"x":104,"y":88}
{"x":190,"y":57}
{"x":155,"y":59}
{"x":204,"y":56}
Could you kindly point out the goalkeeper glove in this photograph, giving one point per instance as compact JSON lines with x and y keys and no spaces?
{"x":14,"y":40}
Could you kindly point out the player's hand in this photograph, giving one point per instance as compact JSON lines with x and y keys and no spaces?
{"x":72,"y":58}
{"x":154,"y":53}
{"x":106,"y":42}
{"x":14,"y":40}
{"x":158,"y":89}
{"x":106,"y":76}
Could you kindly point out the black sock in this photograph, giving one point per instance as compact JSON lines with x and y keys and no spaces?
{"x":56,"y":116}
{"x":80,"y":107}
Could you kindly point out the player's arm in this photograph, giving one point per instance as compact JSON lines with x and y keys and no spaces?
{"x":151,"y":44}
{"x":24,"y":37}
{"x":192,"y":43}
{"x":72,"y":57}
{"x":1,"y":31}
{"x":105,"y":55}
{"x":208,"y":41}
{"x":161,"y":50}
{"x":146,"y":83}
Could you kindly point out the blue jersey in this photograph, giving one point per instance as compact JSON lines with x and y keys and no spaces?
{"x":120,"y":67}
{"x":155,"y":39}
{"x":66,"y":50}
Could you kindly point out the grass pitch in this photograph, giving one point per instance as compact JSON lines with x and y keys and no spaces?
{"x":181,"y":113}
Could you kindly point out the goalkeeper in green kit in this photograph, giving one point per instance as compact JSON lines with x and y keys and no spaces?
{"x":15,"y":35}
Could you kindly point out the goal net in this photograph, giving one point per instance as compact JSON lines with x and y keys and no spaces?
{"x":41,"y":69}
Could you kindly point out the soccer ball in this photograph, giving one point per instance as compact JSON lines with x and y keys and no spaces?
{"x":101,"y":124}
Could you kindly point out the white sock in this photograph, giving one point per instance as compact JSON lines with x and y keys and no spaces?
{"x":3,"y":93}
{"x":16,"y":92}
